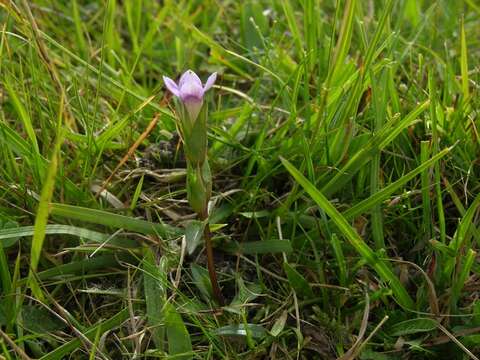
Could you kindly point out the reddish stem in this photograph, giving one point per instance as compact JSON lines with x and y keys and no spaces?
{"x":217,"y":293}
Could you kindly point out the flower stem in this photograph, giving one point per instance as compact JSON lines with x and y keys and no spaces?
{"x":217,"y":293}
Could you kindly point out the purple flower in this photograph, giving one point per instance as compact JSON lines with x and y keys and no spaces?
{"x":190,"y":91}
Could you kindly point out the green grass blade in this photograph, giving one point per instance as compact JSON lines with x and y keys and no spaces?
{"x":426,"y":190}
{"x":81,"y":43}
{"x":382,"y":269}
{"x":113,"y":220}
{"x":372,"y":48}
{"x":389,"y":134}
{"x":460,"y":237}
{"x":378,"y":142}
{"x":459,"y":282}
{"x":22,"y":114}
{"x":8,"y":301}
{"x":465,"y":226}
{"x":435,"y":148}
{"x":53,"y":229}
{"x":42,"y":215}
{"x":345,"y":36}
{"x":382,"y":195}
{"x":464,"y":62}
{"x":11,"y":233}
{"x":292,"y":24}
{"x":380,"y":103}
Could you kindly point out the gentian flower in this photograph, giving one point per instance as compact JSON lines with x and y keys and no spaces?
{"x":192,"y":125}
{"x":190,"y":91}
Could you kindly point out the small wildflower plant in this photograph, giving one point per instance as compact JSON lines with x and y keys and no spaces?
{"x":192,"y":117}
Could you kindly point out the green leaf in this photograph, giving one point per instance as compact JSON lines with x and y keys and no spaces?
{"x":279,"y":324}
{"x":179,"y":344}
{"x":246,"y":293}
{"x":194,"y":235}
{"x":297,"y":281}
{"x":39,"y":320}
{"x":255,"y":214}
{"x":201,"y":280}
{"x":413,"y":326}
{"x":154,"y":282}
{"x":257,"y":332}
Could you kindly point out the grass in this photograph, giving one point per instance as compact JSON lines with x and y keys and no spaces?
{"x":344,"y":148}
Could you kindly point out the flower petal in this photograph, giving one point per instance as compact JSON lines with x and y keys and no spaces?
{"x":191,"y":90}
{"x":210,"y":81}
{"x":189,"y":76}
{"x":171,"y":86}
